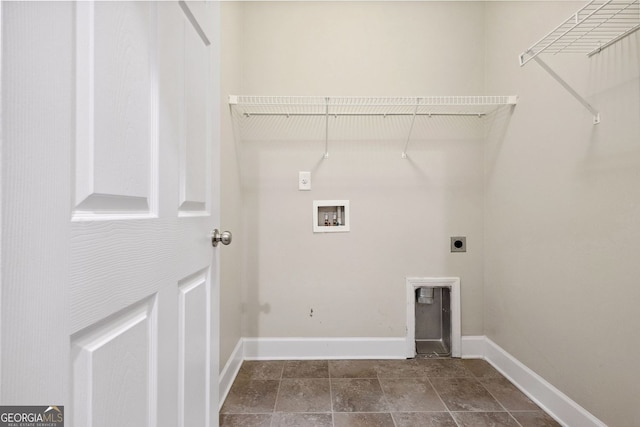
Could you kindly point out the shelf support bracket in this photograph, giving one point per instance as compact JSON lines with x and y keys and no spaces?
{"x":326,"y":128}
{"x":413,"y":120}
{"x":576,"y":95}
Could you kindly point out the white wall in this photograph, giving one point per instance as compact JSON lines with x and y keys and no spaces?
{"x":553,"y":232}
{"x":562,"y":209}
{"x":402,"y":211}
{"x":231,"y":191}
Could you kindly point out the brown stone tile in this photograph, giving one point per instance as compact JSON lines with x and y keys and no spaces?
{"x":411,"y":394}
{"x":398,"y":369}
{"x":261,"y":370}
{"x":484,"y":419}
{"x":245,"y":420}
{"x":306,"y":369}
{"x":251,"y":397}
{"x":423,"y":419}
{"x":361,"y":392}
{"x":363,"y":420}
{"x":357,"y":395}
{"x":508,"y":395}
{"x":442,"y":368}
{"x":481,"y":368}
{"x":535,"y":419}
{"x":465,"y":394}
{"x":304,"y":395}
{"x":353,"y":368}
{"x":301,"y":420}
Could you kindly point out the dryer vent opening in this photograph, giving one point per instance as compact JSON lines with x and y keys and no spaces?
{"x":433,"y":321}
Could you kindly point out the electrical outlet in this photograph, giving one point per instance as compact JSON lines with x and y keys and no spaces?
{"x":458,"y":244}
{"x":304,"y":181}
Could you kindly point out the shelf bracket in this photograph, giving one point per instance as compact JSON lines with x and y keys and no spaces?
{"x":413,"y":120}
{"x":326,"y":128}
{"x":576,"y":95}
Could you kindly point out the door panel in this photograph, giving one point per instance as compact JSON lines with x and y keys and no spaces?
{"x":116,"y":108}
{"x":194,"y":315}
{"x":194,"y":168}
{"x":113,"y":366}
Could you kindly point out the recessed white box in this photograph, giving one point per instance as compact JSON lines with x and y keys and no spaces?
{"x":330,"y":216}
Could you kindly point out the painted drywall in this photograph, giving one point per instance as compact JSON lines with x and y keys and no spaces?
{"x":231,"y":191}
{"x":562,"y":207}
{"x":403,"y":211}
{"x":557,"y":212}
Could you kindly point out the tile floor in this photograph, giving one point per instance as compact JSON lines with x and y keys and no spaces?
{"x":377,"y":393}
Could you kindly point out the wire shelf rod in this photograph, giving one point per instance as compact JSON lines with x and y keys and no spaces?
{"x":251,"y":114}
{"x":279,"y":101}
{"x":614,"y":40}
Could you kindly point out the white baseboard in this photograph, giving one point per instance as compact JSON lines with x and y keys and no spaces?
{"x":553,"y":401}
{"x":324,"y":348}
{"x":339,"y":348}
{"x":473,"y":346}
{"x":230,"y":371}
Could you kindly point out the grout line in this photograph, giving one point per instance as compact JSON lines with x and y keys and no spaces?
{"x":514,"y":418}
{"x":384,"y":395}
{"x":441,"y":400}
{"x":498,"y":400}
{"x":333,"y":418}
{"x":393,"y":419}
{"x":275,"y":403}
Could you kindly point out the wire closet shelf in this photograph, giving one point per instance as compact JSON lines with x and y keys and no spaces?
{"x":591,"y":29}
{"x":248,"y":106}
{"x":245,"y":107}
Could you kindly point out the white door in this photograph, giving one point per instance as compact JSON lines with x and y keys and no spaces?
{"x":109,"y":291}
